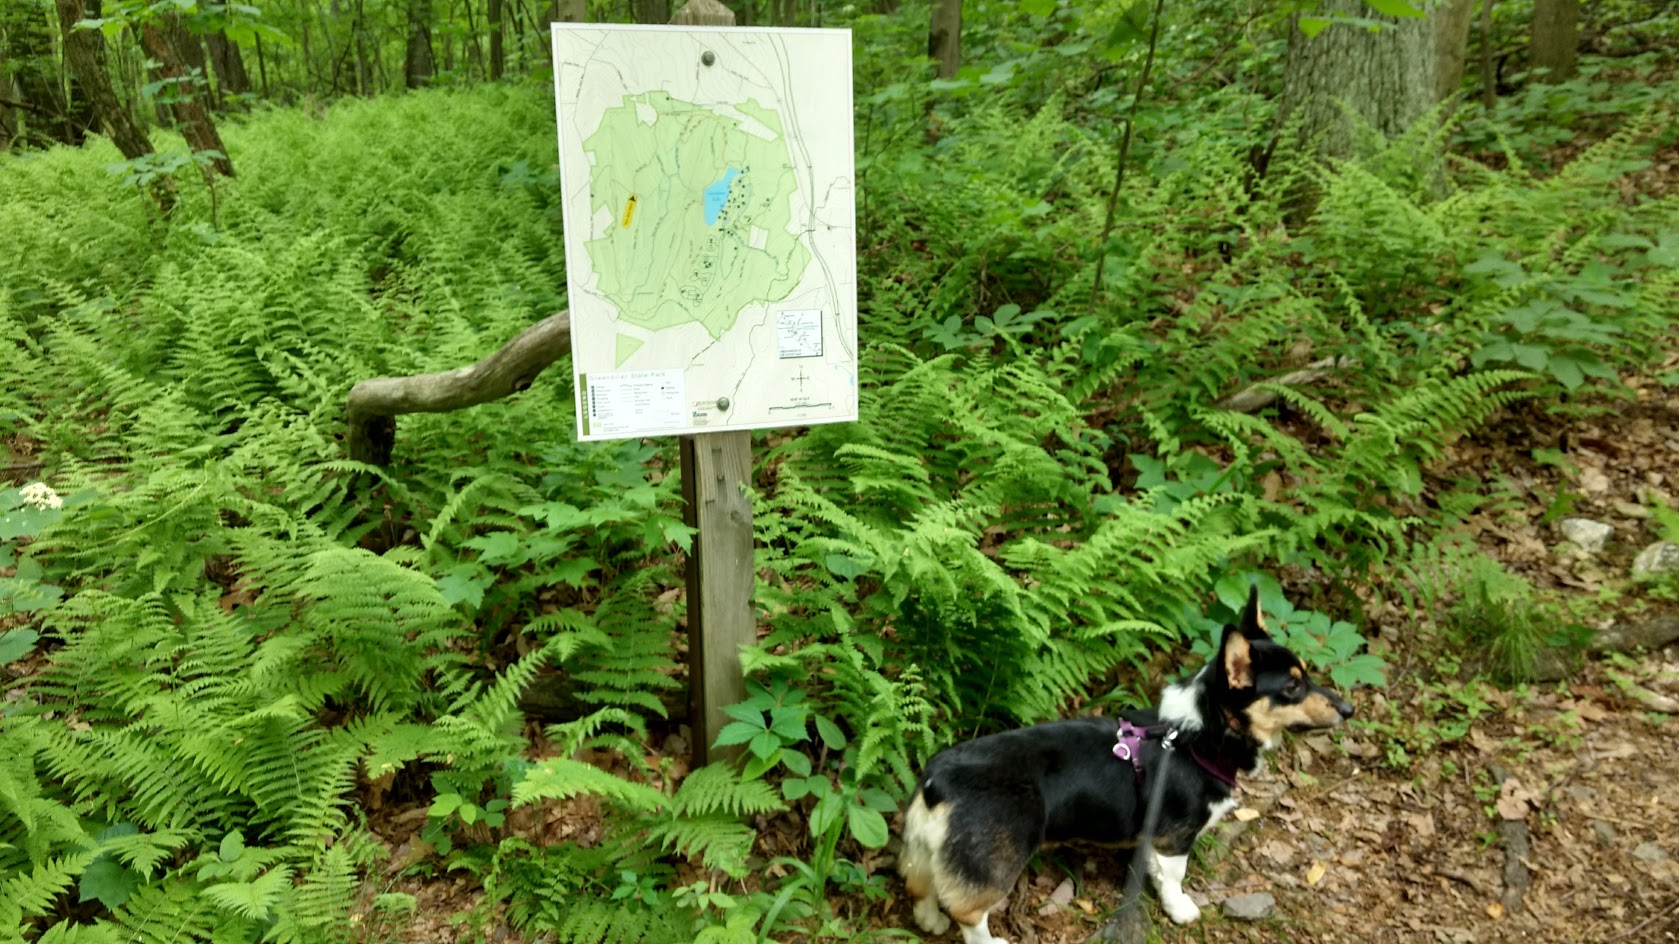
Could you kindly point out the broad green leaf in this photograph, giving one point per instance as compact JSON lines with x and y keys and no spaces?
{"x":830,"y":733}
{"x":16,"y":643}
{"x":108,"y":882}
{"x":738,"y":732}
{"x":233,"y":846}
{"x":867,"y":826}
{"x":1403,"y":8}
{"x":1037,"y":7}
{"x":765,"y":744}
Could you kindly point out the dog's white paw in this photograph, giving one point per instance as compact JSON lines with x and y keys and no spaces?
{"x":1180,"y":908}
{"x":930,"y":918}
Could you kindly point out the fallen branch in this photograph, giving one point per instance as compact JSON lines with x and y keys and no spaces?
{"x":375,"y":404}
{"x":1258,"y":397}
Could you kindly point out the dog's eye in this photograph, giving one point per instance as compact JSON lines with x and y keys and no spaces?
{"x":1294,"y":686}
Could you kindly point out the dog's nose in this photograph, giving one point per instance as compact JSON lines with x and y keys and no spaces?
{"x":1344,"y":707}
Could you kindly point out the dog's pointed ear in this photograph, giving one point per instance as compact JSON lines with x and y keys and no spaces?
{"x":1253,"y":619}
{"x":1237,"y":658}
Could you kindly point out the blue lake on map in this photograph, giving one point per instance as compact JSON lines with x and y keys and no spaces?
{"x":716,"y":195}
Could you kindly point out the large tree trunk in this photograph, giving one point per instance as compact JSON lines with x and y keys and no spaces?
{"x":229,"y":66}
{"x":1556,"y":38}
{"x":418,"y":66}
{"x":496,"y":57}
{"x":652,"y":11}
{"x":84,"y":54}
{"x":166,"y":40}
{"x":1451,"y":45}
{"x":1386,"y":78}
{"x":944,"y":39}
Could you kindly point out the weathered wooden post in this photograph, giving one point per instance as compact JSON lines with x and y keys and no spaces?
{"x":711,"y":260}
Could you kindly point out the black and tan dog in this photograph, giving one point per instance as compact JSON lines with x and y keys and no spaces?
{"x":984,"y":806}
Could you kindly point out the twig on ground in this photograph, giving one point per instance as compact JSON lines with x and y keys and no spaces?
{"x":1647,"y":921}
{"x":1258,"y":396}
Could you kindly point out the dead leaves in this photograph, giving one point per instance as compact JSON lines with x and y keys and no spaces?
{"x":1514,"y":800}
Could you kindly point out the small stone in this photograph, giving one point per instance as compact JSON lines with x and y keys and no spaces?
{"x":1649,"y":852}
{"x":1588,"y":534}
{"x":1659,"y":558}
{"x":1628,"y":509}
{"x":1249,"y":907}
{"x":1582,"y":793}
{"x":1605,"y":833}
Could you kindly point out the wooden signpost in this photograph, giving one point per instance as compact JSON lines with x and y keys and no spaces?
{"x":711,"y":263}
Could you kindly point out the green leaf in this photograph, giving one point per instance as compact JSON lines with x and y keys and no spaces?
{"x":738,"y":732}
{"x":1566,"y":371}
{"x":867,"y":826}
{"x":747,"y":713}
{"x":1402,"y":8}
{"x":1038,"y":8}
{"x":108,"y":882}
{"x":765,"y":744}
{"x":16,"y":643}
{"x":445,"y":804}
{"x":830,"y":733}
{"x":465,"y":583}
{"x":1313,"y":25}
{"x":796,"y":762}
{"x":789,"y":723}
{"x":233,"y":846}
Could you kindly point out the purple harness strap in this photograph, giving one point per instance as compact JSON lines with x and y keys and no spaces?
{"x":1128,"y":746}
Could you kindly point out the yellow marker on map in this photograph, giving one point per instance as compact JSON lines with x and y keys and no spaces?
{"x":629,"y":210}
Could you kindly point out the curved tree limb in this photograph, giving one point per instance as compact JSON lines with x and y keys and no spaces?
{"x":1256,"y":397}
{"x":375,"y":404}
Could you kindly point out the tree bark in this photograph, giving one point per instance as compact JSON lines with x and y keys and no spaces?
{"x":496,"y":58}
{"x":1556,"y":38}
{"x":944,"y":39}
{"x":166,"y":40}
{"x":652,"y":11}
{"x":84,"y":52}
{"x":374,"y":404}
{"x":229,"y":66}
{"x":1385,"y":78}
{"x":418,"y":66}
{"x":704,"y":13}
{"x":1451,"y":45}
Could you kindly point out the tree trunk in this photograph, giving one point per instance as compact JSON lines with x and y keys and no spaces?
{"x":1386,"y":78}
{"x":944,"y":39}
{"x":496,"y":59}
{"x":1556,"y":38}
{"x":84,"y":53}
{"x":704,"y":13}
{"x":166,"y":40}
{"x":652,"y":11}
{"x":229,"y":66}
{"x":1451,"y":45}
{"x":418,"y":66}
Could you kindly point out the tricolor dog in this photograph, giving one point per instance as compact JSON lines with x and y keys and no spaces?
{"x":985,"y":806}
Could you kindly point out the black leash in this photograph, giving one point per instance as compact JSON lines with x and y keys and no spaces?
{"x":1132,"y":900}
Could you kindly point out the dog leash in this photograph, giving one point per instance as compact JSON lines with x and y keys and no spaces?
{"x":1128,"y":746}
{"x":1151,"y":815}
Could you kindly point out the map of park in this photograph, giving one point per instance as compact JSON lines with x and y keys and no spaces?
{"x":707,"y":210}
{"x":710,"y":226}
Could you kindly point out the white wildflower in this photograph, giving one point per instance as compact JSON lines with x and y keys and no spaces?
{"x":41,"y":495}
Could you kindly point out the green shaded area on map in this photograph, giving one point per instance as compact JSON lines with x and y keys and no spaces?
{"x":671,"y":265}
{"x":626,"y":347}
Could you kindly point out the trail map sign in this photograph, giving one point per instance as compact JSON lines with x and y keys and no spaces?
{"x":709,"y":227}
